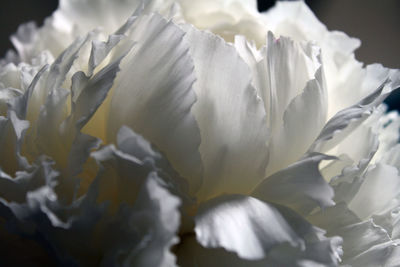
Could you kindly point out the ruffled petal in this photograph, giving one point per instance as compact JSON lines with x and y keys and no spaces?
{"x":230,"y":115}
{"x":137,"y":229}
{"x":343,"y":72}
{"x":289,"y":78}
{"x":158,"y":77}
{"x":155,"y":220}
{"x":302,"y":121}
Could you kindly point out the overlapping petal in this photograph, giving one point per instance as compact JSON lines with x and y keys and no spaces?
{"x":230,"y":115}
{"x":158,"y":76}
{"x":110,"y":150}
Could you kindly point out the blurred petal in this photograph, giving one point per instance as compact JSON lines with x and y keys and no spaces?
{"x":333,"y":218}
{"x":155,"y":220}
{"x":90,"y":92}
{"x":345,"y":121}
{"x":385,"y":254}
{"x":381,"y":184}
{"x":261,"y":226}
{"x":138,"y":233}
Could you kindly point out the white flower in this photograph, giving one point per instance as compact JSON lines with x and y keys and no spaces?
{"x":142,"y":140}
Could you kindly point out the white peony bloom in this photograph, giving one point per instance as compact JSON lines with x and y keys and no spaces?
{"x":195,"y":133}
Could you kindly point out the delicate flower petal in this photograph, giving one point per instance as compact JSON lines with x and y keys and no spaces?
{"x":357,"y":150}
{"x":220,"y":113}
{"x":386,"y":254}
{"x":8,"y":146}
{"x":306,"y":112}
{"x":15,"y":189}
{"x":80,"y":152}
{"x":12,"y":131}
{"x":360,"y":237}
{"x":138,"y":233}
{"x":347,"y":81}
{"x":261,"y":226}
{"x":345,"y":121}
{"x":135,"y":145}
{"x":381,"y":184}
{"x":53,"y":112}
{"x":90,"y":92}
{"x":20,"y":104}
{"x":100,"y":50}
{"x":295,"y":19}
{"x":155,"y":218}
{"x":199,"y":9}
{"x":289,"y":78}
{"x":24,"y":40}
{"x":222,"y":219}
{"x":390,"y":221}
{"x":230,"y":115}
{"x":120,"y":176}
{"x":158,"y":77}
{"x":92,"y":14}
{"x":300,"y":186}
{"x":333,"y":218}
{"x":388,"y":129}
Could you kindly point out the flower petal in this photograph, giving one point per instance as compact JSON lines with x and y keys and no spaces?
{"x":289,"y":78}
{"x":261,"y":226}
{"x":156,"y":219}
{"x":158,"y":77}
{"x":360,"y":237}
{"x":138,"y":232}
{"x":343,"y":73}
{"x":135,"y":145}
{"x":302,"y":121}
{"x":300,"y":186}
{"x":230,"y":115}
{"x":381,"y":184}
{"x":235,"y":230}
{"x":345,"y":121}
{"x":90,"y":92}
{"x":385,"y":254}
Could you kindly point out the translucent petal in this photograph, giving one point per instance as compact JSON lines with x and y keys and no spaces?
{"x":230,"y":115}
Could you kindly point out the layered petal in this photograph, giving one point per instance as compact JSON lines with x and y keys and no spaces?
{"x":380,"y":186}
{"x":158,"y":77}
{"x":343,"y":72}
{"x":226,"y":18}
{"x":345,"y":121}
{"x":300,"y":186}
{"x":137,"y":229}
{"x":230,"y":115}
{"x":290,"y":79}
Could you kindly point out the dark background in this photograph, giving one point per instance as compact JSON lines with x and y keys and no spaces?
{"x":376,"y":23}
